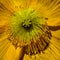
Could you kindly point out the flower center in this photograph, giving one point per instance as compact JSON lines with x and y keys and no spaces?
{"x":27,"y":28}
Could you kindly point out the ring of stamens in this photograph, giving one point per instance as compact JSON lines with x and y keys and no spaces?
{"x":29,"y":30}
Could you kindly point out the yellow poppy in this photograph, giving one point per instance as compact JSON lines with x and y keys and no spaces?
{"x":29,"y":29}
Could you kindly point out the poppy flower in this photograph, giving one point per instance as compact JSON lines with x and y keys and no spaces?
{"x":29,"y":29}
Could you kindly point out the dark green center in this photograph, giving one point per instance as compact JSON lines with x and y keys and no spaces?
{"x":27,"y":24}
